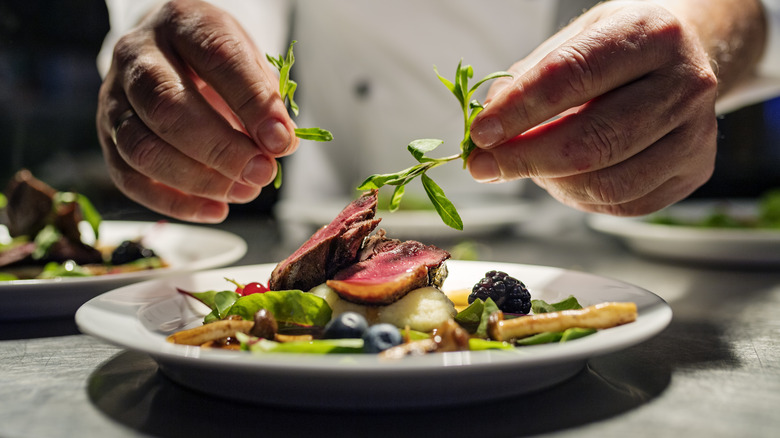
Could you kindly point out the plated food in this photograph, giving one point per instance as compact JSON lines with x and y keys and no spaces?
{"x":44,"y":239}
{"x":75,"y":255}
{"x":348,"y":291}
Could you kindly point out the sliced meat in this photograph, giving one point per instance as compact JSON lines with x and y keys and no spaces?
{"x":388,"y":270}
{"x":330,"y":249}
{"x":66,"y":249}
{"x":29,"y":204}
{"x":17,"y":254}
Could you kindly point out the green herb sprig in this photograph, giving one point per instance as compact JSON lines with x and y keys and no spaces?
{"x":287,"y":89}
{"x":419,"y":148}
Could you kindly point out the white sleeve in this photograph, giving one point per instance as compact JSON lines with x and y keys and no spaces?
{"x":765,"y":84}
{"x":267,"y":22}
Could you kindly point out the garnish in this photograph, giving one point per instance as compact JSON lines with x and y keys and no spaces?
{"x":287,"y":89}
{"x":419,"y":148}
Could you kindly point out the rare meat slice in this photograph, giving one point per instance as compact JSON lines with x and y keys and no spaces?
{"x":29,"y":204}
{"x":17,"y":254}
{"x":389,"y":269}
{"x":330,"y":249}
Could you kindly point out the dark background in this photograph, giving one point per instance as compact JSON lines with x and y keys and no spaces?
{"x":48,"y":93}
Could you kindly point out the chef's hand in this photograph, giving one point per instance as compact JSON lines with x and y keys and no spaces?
{"x":633,"y":91}
{"x":189,"y":115}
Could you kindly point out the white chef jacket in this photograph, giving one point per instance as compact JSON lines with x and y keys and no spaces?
{"x":365,"y":72}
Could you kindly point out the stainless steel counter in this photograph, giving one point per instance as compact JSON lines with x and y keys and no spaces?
{"x":714,"y":372}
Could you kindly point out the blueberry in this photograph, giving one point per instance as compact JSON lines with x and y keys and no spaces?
{"x":380,"y":337}
{"x":346,"y":325}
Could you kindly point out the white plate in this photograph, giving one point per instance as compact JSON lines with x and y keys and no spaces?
{"x":480,"y":216}
{"x":726,"y":246}
{"x":184,"y":247}
{"x":139,"y":317}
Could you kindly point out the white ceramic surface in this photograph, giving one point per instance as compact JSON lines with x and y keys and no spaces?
{"x":723,"y":246}
{"x":184,"y":247}
{"x":140,"y":316}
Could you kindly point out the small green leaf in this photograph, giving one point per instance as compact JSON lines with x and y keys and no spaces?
{"x":395,"y":200}
{"x":316,"y":134}
{"x":540,"y":338}
{"x":445,"y":208}
{"x":488,"y":309}
{"x":45,"y":238}
{"x":278,"y":177}
{"x":3,"y":201}
{"x":496,"y":75}
{"x":447,"y":83}
{"x":541,"y":306}
{"x":576,"y":333}
{"x":419,"y":148}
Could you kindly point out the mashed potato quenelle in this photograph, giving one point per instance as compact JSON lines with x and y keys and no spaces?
{"x":422,"y":309}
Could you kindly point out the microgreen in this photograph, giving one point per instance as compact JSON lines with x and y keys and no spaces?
{"x":419,"y":148}
{"x":287,"y":89}
{"x":88,"y":211}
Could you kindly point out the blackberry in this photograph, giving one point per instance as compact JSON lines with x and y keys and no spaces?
{"x":130,"y":251}
{"x":509,"y":293}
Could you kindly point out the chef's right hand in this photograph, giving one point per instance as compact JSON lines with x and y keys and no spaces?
{"x":189,"y":115}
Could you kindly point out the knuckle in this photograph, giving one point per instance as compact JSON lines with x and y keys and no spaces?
{"x":600,"y":140}
{"x":223,"y":50}
{"x":222,"y":156}
{"x":258,"y":92}
{"x":579,"y":67}
{"x":142,"y":153}
{"x":602,"y":188}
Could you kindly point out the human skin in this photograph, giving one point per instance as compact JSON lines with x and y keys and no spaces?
{"x":616,"y":113}
{"x":209,"y":121}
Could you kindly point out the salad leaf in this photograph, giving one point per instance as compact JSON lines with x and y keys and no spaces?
{"x":66,"y":269}
{"x":419,"y":148}
{"x":540,"y":338}
{"x":541,"y":306}
{"x":490,"y":307}
{"x":45,"y":238}
{"x":477,"y":344}
{"x":3,"y":201}
{"x":317,"y":346}
{"x":576,"y":333}
{"x":5,"y":276}
{"x":290,"y":307}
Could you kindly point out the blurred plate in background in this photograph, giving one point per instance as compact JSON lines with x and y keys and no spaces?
{"x":697,"y":244}
{"x":184,"y":247}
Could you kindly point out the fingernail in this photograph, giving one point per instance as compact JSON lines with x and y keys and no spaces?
{"x":241,"y":193}
{"x":259,"y":171}
{"x":484,"y":167}
{"x":487,"y":132}
{"x":274,"y":136}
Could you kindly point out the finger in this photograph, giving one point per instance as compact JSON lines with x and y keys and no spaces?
{"x":149,"y":155}
{"x":160,"y":197}
{"x":215,"y":46}
{"x":662,"y":174}
{"x":170,"y":105}
{"x":611,"y":53}
{"x":605,"y":131}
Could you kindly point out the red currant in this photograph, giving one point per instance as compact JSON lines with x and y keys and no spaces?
{"x":253,"y":288}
